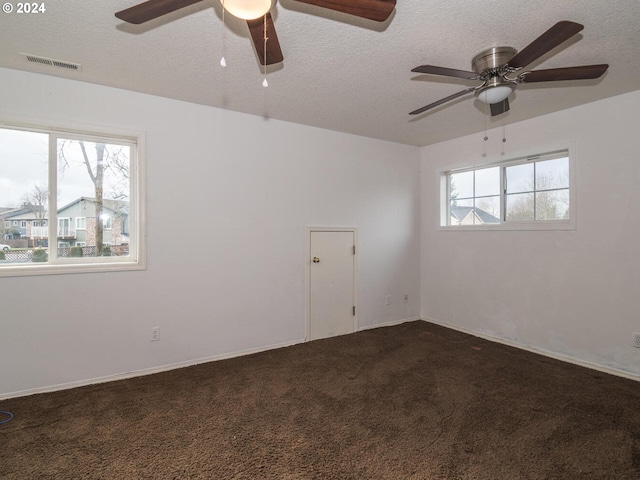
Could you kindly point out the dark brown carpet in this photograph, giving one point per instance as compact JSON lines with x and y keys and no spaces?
{"x":414,"y":401}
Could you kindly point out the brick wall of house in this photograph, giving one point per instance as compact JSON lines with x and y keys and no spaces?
{"x":112,"y":236}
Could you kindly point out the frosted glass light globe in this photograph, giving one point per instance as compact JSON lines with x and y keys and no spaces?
{"x":495,"y":94}
{"x":247,"y":9}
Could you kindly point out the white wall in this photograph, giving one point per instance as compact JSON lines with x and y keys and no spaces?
{"x":228,"y":199}
{"x":574,"y":294}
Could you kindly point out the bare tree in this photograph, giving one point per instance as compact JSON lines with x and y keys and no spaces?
{"x":545,"y":203}
{"x":453,"y":194}
{"x":96,"y":173}
{"x":490,"y":205}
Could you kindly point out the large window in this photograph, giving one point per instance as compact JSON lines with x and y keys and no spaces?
{"x":533,"y":192}
{"x":69,"y":201}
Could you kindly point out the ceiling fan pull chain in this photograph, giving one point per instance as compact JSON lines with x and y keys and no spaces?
{"x":223,"y":62}
{"x":504,"y":136}
{"x":486,"y":122}
{"x":265,"y":84}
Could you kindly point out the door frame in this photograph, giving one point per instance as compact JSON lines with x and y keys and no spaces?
{"x":307,"y":290}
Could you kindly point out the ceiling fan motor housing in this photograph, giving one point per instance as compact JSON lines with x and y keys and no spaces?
{"x":492,"y":59}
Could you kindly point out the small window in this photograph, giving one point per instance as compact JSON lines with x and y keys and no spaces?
{"x":23,"y":224}
{"x":81,"y":223}
{"x":528,"y":193}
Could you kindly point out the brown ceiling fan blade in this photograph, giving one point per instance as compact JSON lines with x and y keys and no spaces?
{"x":550,"y":39}
{"x":151,"y":9}
{"x":584,"y":72}
{"x":443,"y":100}
{"x":378,"y":10}
{"x":274,"y":53}
{"x":447,"y":72}
{"x":498,"y":108}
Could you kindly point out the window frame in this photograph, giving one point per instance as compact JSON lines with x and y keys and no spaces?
{"x":561,"y":224}
{"x":137,"y":201}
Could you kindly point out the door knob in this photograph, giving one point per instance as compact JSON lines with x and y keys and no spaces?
{"x":316,"y":260}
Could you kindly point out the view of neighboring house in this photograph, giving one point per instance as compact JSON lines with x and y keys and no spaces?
{"x":471,"y":216}
{"x":18,"y":223}
{"x":77,"y":221}
{"x":27,"y":226}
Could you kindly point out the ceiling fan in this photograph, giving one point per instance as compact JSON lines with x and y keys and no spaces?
{"x":256,"y":13}
{"x":496,"y":67}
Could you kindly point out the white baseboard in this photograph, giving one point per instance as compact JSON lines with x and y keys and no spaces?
{"x":173,"y":366}
{"x":144,"y":371}
{"x":388,"y":324}
{"x":546,"y":353}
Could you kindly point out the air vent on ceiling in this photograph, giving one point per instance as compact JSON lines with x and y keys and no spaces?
{"x":52,"y":62}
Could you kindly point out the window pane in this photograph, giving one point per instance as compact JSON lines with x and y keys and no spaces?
{"x":551,"y":174}
{"x":465,"y":202}
{"x":488,"y":209}
{"x":520,"y":178}
{"x":552,"y":205}
{"x":23,"y":194}
{"x":488,"y":182}
{"x":520,"y":207}
{"x":93,"y":183}
{"x":461,"y":185}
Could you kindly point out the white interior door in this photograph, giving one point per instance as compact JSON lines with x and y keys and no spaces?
{"x":331,"y":283}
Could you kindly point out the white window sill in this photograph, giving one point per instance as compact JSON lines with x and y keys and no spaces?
{"x":58,"y":269}
{"x":522,"y":226}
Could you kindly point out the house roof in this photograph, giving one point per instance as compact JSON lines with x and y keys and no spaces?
{"x":25,"y":212}
{"x":113,"y":205}
{"x":460,"y":213}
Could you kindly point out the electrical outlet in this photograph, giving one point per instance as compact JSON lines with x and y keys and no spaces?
{"x":155,"y":334}
{"x":636,"y":340}
{"x":405,"y":299}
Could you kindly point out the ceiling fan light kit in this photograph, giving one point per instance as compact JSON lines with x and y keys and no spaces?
{"x":494,"y":90}
{"x":496,"y":66}
{"x":247,"y":9}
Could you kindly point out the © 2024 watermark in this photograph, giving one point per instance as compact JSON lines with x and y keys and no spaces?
{"x":24,"y":7}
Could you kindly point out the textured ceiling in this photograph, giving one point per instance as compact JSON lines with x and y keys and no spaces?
{"x":340,"y":73}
